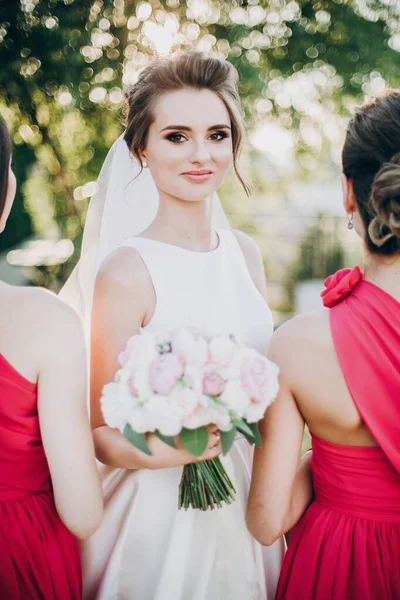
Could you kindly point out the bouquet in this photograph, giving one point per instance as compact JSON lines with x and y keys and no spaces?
{"x":179,"y":383}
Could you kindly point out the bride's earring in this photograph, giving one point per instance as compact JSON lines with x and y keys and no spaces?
{"x":350,"y":218}
{"x":144,"y":164}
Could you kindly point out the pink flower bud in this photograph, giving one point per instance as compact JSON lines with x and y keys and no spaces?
{"x":213,"y":384}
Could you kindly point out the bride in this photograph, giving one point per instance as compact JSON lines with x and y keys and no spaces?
{"x":165,"y":257}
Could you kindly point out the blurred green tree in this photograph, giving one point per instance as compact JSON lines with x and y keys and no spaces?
{"x":64,"y":65}
{"x":320,"y":254}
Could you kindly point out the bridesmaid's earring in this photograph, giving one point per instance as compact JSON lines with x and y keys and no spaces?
{"x":350,"y":221}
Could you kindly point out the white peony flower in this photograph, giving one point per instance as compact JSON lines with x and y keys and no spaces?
{"x":254,"y":413}
{"x":182,"y":401}
{"x":193,"y":378}
{"x":167,"y":421}
{"x":114,"y":411}
{"x":190,"y":346}
{"x":233,"y":369}
{"x":222,"y":349}
{"x":142,"y":420}
{"x":235,"y":398}
{"x":199,"y":418}
{"x":203,"y":416}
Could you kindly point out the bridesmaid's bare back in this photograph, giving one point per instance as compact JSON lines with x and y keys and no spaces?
{"x":308,"y":359}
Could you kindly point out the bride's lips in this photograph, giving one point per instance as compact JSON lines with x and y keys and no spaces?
{"x":198,"y":176}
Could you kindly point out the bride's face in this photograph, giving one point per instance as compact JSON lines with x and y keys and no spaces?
{"x":189,"y":146}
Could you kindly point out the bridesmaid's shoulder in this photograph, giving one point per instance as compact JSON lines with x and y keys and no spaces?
{"x":43,"y":316}
{"x":302,"y":333}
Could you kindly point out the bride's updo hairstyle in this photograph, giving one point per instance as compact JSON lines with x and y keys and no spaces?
{"x":185,"y":70}
{"x":371,"y":159}
{"x":5,"y":156}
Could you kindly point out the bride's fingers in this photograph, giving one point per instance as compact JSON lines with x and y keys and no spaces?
{"x":213,"y":439}
{"x":215,"y":446}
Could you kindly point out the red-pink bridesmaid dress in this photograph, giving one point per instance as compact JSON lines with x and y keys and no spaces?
{"x":39,"y":557}
{"x":347,"y":544}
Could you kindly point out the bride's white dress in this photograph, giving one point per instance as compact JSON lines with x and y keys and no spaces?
{"x":147,"y":549}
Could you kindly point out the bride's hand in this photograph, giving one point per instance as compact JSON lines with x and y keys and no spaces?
{"x":164,"y":456}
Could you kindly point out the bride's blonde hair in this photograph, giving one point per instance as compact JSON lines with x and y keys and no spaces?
{"x":184,"y":70}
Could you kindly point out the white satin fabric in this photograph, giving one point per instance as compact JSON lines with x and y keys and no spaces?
{"x":146,"y":549}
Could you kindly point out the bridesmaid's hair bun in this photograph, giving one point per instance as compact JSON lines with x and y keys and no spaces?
{"x":5,"y":157}
{"x":371,"y":160}
{"x":385,"y":203}
{"x":183,"y":70}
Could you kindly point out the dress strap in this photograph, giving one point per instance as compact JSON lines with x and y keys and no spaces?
{"x":365,"y":327}
{"x":232,"y":246}
{"x":165,"y":270}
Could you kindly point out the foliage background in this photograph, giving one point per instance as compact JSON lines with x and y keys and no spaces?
{"x":303,"y":65}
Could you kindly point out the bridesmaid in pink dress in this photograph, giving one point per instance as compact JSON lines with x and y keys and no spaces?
{"x":50,"y":490}
{"x":340,"y":374}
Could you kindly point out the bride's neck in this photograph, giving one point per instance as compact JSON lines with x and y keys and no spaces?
{"x":383,"y":271}
{"x":184,"y":223}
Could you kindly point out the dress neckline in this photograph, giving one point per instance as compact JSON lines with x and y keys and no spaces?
{"x":212,"y":252}
{"x":384,"y":292}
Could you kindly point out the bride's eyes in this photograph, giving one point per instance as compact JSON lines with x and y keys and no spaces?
{"x":218,"y":136}
{"x":177,"y":138}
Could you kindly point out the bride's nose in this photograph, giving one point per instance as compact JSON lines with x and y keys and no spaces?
{"x":200,"y":153}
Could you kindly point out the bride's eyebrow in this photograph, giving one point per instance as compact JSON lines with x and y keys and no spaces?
{"x":186,"y":128}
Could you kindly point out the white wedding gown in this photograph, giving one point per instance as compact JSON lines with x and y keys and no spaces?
{"x":147,"y":549}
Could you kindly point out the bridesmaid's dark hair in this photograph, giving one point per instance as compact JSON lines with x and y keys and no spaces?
{"x":371,"y":159}
{"x":5,"y":156}
{"x":184,"y":70}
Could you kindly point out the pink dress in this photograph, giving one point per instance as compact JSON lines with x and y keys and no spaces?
{"x":347,"y":544}
{"x":39,"y":557}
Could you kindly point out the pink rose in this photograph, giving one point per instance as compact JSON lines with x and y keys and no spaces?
{"x":340,"y":285}
{"x":191,"y":348}
{"x":213,"y":384}
{"x":259,"y":378}
{"x":165,"y":371}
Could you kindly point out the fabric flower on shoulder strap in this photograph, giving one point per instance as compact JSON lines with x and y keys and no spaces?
{"x":340,"y":285}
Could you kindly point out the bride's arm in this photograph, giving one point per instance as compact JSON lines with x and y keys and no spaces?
{"x":124,"y":301}
{"x":281,"y":486}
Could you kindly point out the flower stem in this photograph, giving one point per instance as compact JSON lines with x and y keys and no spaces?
{"x":205,"y":485}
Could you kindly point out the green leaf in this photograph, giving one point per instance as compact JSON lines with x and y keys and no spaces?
{"x":245,"y":429}
{"x":166,"y":439}
{"x":194,"y":440}
{"x":227,"y":439}
{"x":137,"y":439}
{"x":256,"y":433}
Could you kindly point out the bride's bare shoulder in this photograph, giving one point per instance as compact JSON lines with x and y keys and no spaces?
{"x":124,"y":267}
